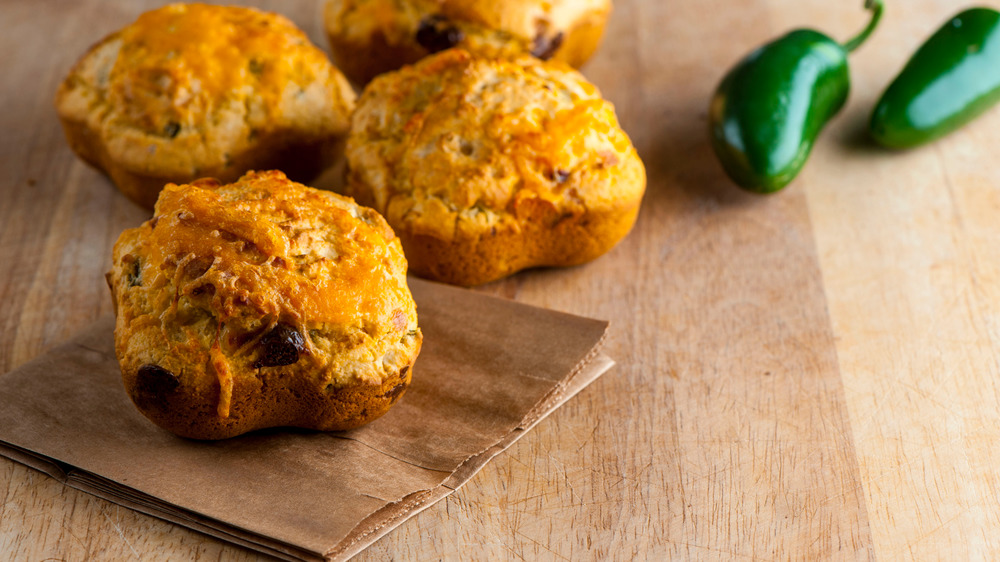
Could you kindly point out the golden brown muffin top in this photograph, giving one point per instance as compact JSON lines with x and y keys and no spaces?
{"x":459,"y":140}
{"x":524,"y":25}
{"x":177,"y":62}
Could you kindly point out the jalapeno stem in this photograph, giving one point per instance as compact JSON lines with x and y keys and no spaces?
{"x":875,"y":7}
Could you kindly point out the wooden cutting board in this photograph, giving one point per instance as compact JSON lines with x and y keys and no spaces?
{"x":811,"y":374}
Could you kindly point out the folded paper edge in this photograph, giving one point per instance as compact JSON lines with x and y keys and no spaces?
{"x":550,"y":400}
{"x":392,"y":514}
{"x":38,"y":462}
{"x":94,"y":485}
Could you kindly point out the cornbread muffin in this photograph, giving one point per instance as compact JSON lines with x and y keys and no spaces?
{"x":484,"y":167}
{"x":191,"y":90}
{"x":258,"y":304}
{"x":369,"y":37}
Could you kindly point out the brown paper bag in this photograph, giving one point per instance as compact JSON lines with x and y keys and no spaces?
{"x":490,"y":369}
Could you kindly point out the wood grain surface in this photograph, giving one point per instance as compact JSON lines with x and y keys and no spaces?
{"x":811,"y":374}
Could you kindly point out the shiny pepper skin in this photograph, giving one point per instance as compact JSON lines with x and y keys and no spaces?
{"x":769,"y":109}
{"x":953,"y":78}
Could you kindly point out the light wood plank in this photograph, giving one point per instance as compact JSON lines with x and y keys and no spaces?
{"x":908,"y":246}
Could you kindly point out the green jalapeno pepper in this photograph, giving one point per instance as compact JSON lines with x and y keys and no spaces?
{"x":952,"y":78}
{"x":769,"y":109}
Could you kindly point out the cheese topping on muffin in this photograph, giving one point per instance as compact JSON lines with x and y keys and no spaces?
{"x":286,"y":266}
{"x":482,"y":144}
{"x":179,"y":63}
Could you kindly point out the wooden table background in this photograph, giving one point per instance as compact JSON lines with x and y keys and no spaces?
{"x":812,"y":374}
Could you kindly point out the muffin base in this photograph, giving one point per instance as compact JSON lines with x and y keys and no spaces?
{"x":300,"y":161}
{"x":475,"y":258}
{"x":274,"y":398}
